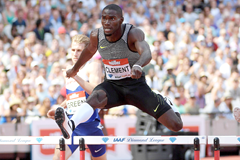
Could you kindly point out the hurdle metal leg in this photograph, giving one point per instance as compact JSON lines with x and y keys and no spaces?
{"x":196,"y":149}
{"x":82,"y":148}
{"x":216,"y":149}
{"x":62,"y":148}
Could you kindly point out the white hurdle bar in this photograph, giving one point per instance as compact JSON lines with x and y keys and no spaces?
{"x":139,"y":139}
{"x":94,"y":140}
{"x":225,"y":140}
{"x":235,"y":140}
{"x":31,"y":140}
{"x":35,"y":140}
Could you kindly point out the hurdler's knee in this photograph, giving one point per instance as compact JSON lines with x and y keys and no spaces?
{"x":98,"y":99}
{"x":101,"y":95}
{"x":177,"y":125}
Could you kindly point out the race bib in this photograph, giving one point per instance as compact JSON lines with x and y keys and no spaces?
{"x":74,"y":100}
{"x":117,"y":69}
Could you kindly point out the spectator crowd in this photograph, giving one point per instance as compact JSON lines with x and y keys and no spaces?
{"x":194,"y":46}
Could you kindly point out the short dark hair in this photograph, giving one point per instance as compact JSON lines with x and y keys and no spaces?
{"x":38,"y":22}
{"x":115,"y":8}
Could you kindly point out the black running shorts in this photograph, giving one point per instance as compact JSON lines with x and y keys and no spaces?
{"x":134,"y":92}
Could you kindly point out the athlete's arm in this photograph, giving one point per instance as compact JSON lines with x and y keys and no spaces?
{"x":137,"y":42}
{"x":137,"y":38}
{"x":86,"y":54}
{"x":94,"y":73}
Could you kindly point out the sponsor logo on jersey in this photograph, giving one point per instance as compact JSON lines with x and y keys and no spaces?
{"x":103,"y":47}
{"x":114,"y":62}
{"x":74,"y":95}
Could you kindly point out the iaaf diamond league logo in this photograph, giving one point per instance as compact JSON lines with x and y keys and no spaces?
{"x":172,"y":139}
{"x":14,"y":140}
{"x":145,"y":140}
{"x":238,"y":139}
{"x":105,"y":139}
{"x":139,"y":139}
{"x":39,"y":139}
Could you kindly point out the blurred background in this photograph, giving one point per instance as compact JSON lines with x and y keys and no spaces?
{"x":195,"y":62}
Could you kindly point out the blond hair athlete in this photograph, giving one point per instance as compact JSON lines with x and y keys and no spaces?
{"x":78,"y":88}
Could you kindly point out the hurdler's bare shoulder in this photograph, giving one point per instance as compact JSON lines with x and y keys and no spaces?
{"x":136,"y":34}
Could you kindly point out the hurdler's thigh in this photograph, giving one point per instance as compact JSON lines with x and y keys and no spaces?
{"x":114,"y":94}
{"x":98,"y":99}
{"x":148,"y":101}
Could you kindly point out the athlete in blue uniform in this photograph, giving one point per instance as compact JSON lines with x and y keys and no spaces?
{"x":78,"y":89}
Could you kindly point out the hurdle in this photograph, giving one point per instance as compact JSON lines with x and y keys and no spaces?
{"x":62,"y":148}
{"x":157,"y":140}
{"x":32,"y":140}
{"x":38,"y":140}
{"x":95,"y":140}
{"x":217,"y":140}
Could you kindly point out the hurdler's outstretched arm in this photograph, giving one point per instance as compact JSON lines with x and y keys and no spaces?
{"x":137,"y":37}
{"x":87,"y":54}
{"x":137,"y":40}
